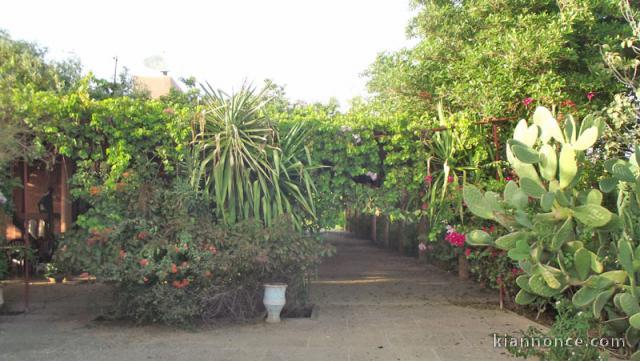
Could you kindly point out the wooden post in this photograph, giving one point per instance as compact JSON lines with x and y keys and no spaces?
{"x":25,"y":234}
{"x":65,"y":200}
{"x":423,"y":229}
{"x":401,"y":237}
{"x":356,"y":222}
{"x":374,"y":231}
{"x":385,"y":232}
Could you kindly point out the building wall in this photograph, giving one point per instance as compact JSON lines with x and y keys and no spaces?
{"x":38,"y":182}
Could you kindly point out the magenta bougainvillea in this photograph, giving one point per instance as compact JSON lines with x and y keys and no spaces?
{"x":454,"y":238}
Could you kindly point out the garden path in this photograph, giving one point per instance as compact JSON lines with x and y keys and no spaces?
{"x":373,"y":305}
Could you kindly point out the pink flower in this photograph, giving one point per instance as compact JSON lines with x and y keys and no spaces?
{"x":428,"y":179}
{"x":591,"y":95}
{"x":422,"y":247}
{"x":425,"y":205}
{"x":467,"y":252}
{"x":508,"y":179}
{"x":527,"y":101}
{"x":450,"y":179}
{"x":455,"y":239}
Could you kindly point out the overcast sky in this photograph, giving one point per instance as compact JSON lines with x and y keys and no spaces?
{"x":317,"y":49}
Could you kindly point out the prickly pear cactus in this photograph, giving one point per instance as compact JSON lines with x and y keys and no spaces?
{"x":545,"y":236}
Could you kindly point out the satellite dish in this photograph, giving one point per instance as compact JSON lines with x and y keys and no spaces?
{"x":157,"y":62}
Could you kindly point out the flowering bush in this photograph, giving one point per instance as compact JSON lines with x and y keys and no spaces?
{"x":170,"y":262}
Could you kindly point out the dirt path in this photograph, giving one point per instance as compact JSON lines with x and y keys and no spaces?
{"x":373,"y":305}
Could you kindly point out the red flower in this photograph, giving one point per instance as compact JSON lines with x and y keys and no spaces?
{"x":527,"y":101}
{"x":455,"y":239}
{"x":568,"y":103}
{"x":467,"y":252}
{"x":143,"y":262}
{"x":507,"y":179}
{"x":425,"y":205}
{"x":174,"y":268}
{"x":450,"y":179}
{"x":428,"y":179}
{"x":591,"y":95}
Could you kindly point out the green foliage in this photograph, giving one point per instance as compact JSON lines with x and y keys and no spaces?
{"x":156,"y":241}
{"x":570,"y":324}
{"x":567,"y":243}
{"x":240,"y":161}
{"x":105,"y":137}
{"x":455,"y":58}
{"x":542,"y":251}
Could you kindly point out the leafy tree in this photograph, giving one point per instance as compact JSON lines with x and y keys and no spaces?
{"x":484,"y":57}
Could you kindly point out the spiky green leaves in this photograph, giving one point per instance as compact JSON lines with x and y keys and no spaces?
{"x":523,"y":152}
{"x":479,"y":238}
{"x":600,"y":301}
{"x":476,"y":202}
{"x":587,"y":139}
{"x":592,"y":215}
{"x":568,"y":165}
{"x":514,"y":196}
{"x":543,"y":118}
{"x":548,"y":162}
{"x":524,"y":134}
{"x":532,"y":188}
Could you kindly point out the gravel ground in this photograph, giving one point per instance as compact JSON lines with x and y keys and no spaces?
{"x":372,"y":305}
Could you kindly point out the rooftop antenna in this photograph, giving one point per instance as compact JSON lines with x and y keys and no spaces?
{"x":157,"y":62}
{"x":115,"y":70}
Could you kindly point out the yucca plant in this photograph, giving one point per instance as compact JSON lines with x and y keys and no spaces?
{"x":239,"y":162}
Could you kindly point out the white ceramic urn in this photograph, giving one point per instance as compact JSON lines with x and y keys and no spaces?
{"x":274,"y":300}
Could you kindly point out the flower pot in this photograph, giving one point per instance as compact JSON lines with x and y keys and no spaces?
{"x":274,"y":300}
{"x":463,"y":267}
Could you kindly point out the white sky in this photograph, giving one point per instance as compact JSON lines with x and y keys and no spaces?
{"x":317,"y":49}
